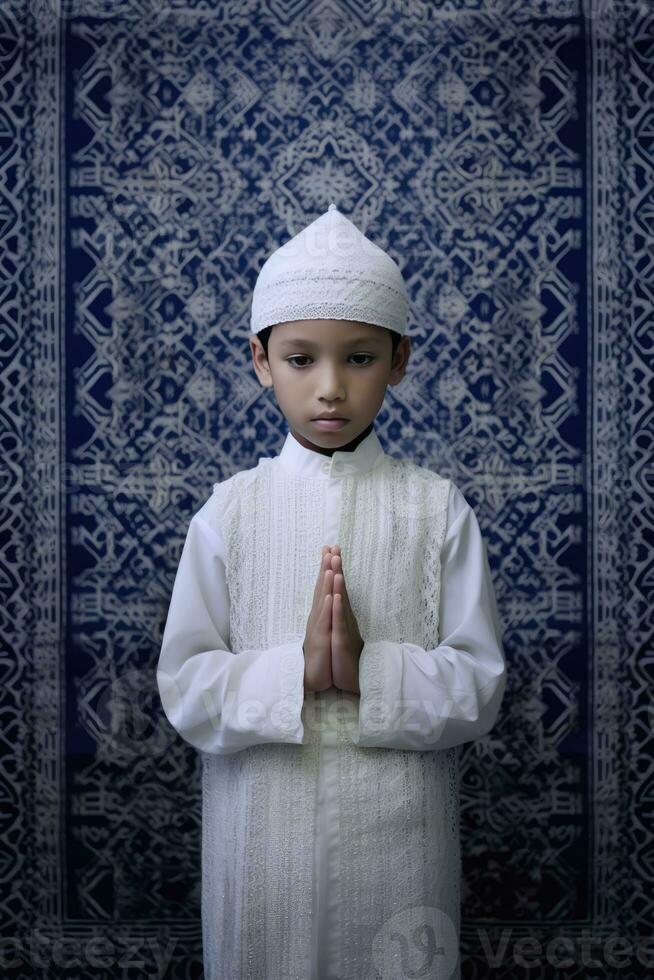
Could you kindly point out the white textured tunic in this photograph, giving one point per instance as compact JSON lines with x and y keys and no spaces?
{"x":330,"y":845}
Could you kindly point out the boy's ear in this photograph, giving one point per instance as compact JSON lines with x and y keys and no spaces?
{"x":400,"y":361}
{"x":260,"y":362}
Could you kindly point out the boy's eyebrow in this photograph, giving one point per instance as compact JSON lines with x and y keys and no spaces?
{"x":302,"y":342}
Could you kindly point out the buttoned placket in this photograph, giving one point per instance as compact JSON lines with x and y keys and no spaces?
{"x":333,"y":470}
{"x":326,"y":856}
{"x":333,"y":505}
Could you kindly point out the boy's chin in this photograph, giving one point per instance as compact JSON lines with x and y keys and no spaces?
{"x":332,"y":439}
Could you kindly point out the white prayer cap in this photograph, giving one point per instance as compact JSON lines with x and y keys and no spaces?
{"x":330,"y":271}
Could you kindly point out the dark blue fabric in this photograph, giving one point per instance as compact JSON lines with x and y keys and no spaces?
{"x":152,"y":156}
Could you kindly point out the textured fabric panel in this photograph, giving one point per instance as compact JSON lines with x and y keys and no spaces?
{"x":398,"y":810}
{"x":267,"y":792}
{"x":395,"y":808}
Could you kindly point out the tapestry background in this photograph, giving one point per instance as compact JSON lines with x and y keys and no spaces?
{"x":151,"y":156}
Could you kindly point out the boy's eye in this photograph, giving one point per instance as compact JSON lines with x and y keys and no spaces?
{"x":305,"y":357}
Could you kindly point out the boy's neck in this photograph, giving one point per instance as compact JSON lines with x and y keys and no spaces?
{"x":337,"y":449}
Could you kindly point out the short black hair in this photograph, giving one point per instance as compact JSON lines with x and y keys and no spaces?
{"x":264,"y":336}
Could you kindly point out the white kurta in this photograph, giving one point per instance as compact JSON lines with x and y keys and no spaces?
{"x":266,"y":688}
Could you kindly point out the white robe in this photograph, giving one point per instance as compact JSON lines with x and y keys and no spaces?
{"x":198,"y":674}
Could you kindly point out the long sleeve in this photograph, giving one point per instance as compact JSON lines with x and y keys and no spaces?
{"x":218,"y":701}
{"x":411,"y":698}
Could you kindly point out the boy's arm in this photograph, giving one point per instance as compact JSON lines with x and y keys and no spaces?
{"x":419,"y":699}
{"x":218,"y":701}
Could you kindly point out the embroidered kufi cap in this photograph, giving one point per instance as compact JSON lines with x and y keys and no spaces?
{"x":330,"y":271}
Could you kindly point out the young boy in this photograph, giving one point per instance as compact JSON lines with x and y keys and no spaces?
{"x":332,"y":640}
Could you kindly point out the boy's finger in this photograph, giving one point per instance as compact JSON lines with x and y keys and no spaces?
{"x":342,"y":588}
{"x":319,"y":587}
{"x":327,"y":581}
{"x":340,"y":620}
{"x":326,"y":612}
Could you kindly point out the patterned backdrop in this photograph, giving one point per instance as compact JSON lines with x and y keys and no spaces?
{"x":152,"y":155}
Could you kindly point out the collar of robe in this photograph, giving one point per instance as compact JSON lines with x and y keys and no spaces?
{"x":300,"y":461}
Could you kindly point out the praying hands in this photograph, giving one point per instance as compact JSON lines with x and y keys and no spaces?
{"x":332,"y":644}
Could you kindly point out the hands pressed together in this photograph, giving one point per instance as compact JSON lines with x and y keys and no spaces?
{"x":332,"y":644}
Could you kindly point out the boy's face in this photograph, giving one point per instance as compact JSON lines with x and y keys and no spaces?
{"x":317,"y":366}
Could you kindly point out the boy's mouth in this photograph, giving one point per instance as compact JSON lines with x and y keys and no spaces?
{"x":333,"y":422}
